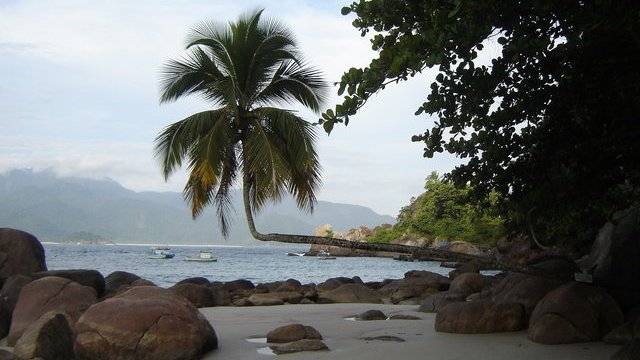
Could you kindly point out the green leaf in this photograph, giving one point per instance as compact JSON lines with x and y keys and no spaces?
{"x":345,"y":10}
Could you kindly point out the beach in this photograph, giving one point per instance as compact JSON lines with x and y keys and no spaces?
{"x":234,"y":325}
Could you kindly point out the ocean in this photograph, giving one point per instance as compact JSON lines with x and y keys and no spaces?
{"x":259,"y":264}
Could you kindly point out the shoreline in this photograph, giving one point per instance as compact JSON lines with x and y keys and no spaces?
{"x":233,"y":325}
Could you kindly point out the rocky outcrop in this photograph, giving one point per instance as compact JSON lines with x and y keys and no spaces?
{"x":350,"y":293}
{"x":574,"y":313}
{"x":49,"y":294}
{"x":479,"y":317}
{"x":144,"y":322}
{"x":292,"y":332}
{"x":20,"y":253}
{"x":50,"y":337}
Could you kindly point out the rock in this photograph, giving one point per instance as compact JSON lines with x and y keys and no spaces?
{"x":116,"y":279}
{"x":623,"y":333}
{"x":266,"y":299}
{"x":220,"y":294}
{"x":290,"y":285}
{"x":11,"y":291}
{"x":404,"y":317}
{"x":239,"y":288}
{"x":49,"y":294}
{"x":49,"y":337}
{"x":324,"y":230}
{"x":470,"y":283}
{"x":350,"y":293}
{"x":630,"y":351}
{"x":433,"y":303}
{"x":90,"y":278}
{"x":414,"y":285}
{"x":292,"y":332}
{"x":144,"y":322}
{"x":555,"y":266}
{"x":461,"y":247}
{"x":464,"y":268}
{"x":614,"y":258}
{"x":298,"y":346}
{"x":479,"y":317}
{"x":572,"y":313}
{"x":523,"y":289}
{"x":199,"y":280}
{"x":383,"y":338}
{"x":372,"y":315}
{"x":199,"y":295}
{"x":7,"y":355}
{"x":333,"y":283}
{"x":5,"y":321}
{"x":267,"y":287}
{"x":20,"y":253}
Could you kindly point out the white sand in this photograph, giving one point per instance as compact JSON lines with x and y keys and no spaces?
{"x":234,"y":325}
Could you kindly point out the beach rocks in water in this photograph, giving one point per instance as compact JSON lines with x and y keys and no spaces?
{"x":292,"y":332}
{"x":144,"y":322}
{"x":20,"y":253}
{"x":413,"y":286}
{"x":574,"y":313}
{"x":199,"y":295}
{"x":479,"y":317}
{"x":50,"y":337}
{"x":298,"y":346}
{"x":350,"y":293}
{"x":49,"y":294}
{"x":117,"y":279}
{"x":371,"y":315}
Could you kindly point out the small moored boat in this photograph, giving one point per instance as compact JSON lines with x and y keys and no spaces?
{"x":325,"y":255}
{"x":204,"y":256}
{"x":161,"y":252}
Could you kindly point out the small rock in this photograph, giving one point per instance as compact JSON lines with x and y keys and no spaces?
{"x":372,"y":315}
{"x":292,"y":332}
{"x":404,"y":317}
{"x":298,"y":346}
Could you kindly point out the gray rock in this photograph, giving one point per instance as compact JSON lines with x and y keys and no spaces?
{"x":298,"y":346}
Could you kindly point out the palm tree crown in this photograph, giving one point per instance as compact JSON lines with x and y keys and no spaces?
{"x":246,"y":69}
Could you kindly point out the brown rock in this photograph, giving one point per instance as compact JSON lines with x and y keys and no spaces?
{"x":49,"y":337}
{"x":574,"y":313}
{"x":464,"y":268}
{"x":7,"y":355}
{"x":479,"y":317}
{"x":49,"y":294}
{"x":414,"y":284}
{"x":20,"y":253}
{"x":266,"y":299}
{"x":116,"y":279}
{"x":220,"y":294}
{"x":90,"y":278}
{"x":333,"y":283}
{"x":292,"y":332}
{"x":404,"y":317}
{"x":372,"y":315}
{"x":267,"y":287}
{"x":144,"y":322}
{"x":11,"y":291}
{"x":198,"y":280}
{"x":350,"y":293}
{"x":461,"y":247}
{"x":290,"y":285}
{"x":383,"y":338}
{"x":523,"y":289}
{"x":434,"y":303}
{"x":298,"y":346}
{"x":199,"y":295}
{"x":470,"y":283}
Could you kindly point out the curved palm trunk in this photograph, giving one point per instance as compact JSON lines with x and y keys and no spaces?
{"x":418,"y":252}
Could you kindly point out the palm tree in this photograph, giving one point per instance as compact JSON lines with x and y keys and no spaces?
{"x":246,"y":70}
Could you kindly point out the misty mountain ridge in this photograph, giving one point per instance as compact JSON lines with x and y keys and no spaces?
{"x":55,"y":208}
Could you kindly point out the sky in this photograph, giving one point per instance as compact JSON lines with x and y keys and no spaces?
{"x":79,"y":90}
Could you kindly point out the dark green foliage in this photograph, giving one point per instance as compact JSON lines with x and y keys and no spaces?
{"x":445,"y":213}
{"x":550,"y":123}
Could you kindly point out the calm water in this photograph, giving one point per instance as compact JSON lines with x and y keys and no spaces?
{"x":258,"y":264}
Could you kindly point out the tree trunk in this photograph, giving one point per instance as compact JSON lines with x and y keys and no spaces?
{"x":417,"y":252}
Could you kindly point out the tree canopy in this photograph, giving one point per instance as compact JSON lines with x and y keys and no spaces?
{"x":550,"y":122}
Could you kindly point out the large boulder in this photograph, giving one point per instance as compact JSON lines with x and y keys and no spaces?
{"x":523,"y":289}
{"x":49,"y":294}
{"x":116,"y":280}
{"x":470,"y":283}
{"x":572,"y":313}
{"x":50,"y":337}
{"x":461,"y":247}
{"x":479,"y":317}
{"x":435,"y":302}
{"x":11,"y":291}
{"x":144,"y":322}
{"x":350,"y":293}
{"x":20,"y":253}
{"x":413,"y":285}
{"x":90,"y":278}
{"x":614,"y":258}
{"x":292,"y":332}
{"x":199,"y":295}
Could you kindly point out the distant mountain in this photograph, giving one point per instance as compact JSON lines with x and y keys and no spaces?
{"x":57,"y":208}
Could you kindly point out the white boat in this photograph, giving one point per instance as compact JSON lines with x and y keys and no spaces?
{"x":325,"y":255}
{"x":161,"y":252}
{"x":296,"y":254}
{"x":204,"y":256}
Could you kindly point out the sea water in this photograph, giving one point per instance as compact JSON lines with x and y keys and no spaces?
{"x":259,"y":264}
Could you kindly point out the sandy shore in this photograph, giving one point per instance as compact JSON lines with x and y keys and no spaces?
{"x":234,"y":325}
